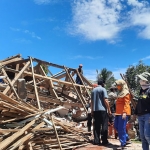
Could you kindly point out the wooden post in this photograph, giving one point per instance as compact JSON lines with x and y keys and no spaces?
{"x":5,"y":74}
{"x":80,"y":97}
{"x":83,"y":83}
{"x":17,"y":76}
{"x":35,"y":88}
{"x":56,"y":132}
{"x":9,"y":140}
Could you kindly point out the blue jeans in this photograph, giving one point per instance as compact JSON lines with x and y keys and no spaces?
{"x":120,"y":126}
{"x":144,"y":126}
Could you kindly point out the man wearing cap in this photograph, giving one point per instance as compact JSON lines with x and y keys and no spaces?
{"x":99,"y":108}
{"x":112,"y":96}
{"x":142,"y":110}
{"x":78,"y":80}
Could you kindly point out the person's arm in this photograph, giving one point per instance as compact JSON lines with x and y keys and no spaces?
{"x":106,"y":101}
{"x":126,"y":106}
{"x":92,"y":103}
{"x":107,"y":105}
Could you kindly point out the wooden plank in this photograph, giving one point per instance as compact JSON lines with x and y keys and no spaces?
{"x":25,"y":138}
{"x":16,"y":78}
{"x":56,"y":132}
{"x":12,"y":101}
{"x":55,"y":101}
{"x":35,"y":87}
{"x":10,"y":61}
{"x":17,"y":69}
{"x":55,"y":80}
{"x":12,"y":57}
{"x":5,"y":74}
{"x":52,"y":89}
{"x":83,"y":83}
{"x":9,"y":140}
{"x":80,"y":97}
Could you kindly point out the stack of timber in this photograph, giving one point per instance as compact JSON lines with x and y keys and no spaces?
{"x":32,"y":99}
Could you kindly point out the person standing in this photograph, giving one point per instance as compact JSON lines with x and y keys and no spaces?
{"x":80,"y":70}
{"x":123,"y":111}
{"x":99,"y":108}
{"x":142,"y":110}
{"x":112,"y":96}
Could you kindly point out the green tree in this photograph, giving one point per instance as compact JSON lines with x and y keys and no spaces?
{"x":45,"y":68}
{"x":131,"y":75}
{"x":107,"y":76}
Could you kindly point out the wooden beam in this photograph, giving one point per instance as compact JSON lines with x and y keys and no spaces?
{"x":17,"y":77}
{"x":56,"y":132}
{"x":80,"y":97}
{"x":9,"y":140}
{"x":35,"y":87}
{"x":55,"y":80}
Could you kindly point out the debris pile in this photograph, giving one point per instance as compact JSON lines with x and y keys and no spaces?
{"x":34,"y":104}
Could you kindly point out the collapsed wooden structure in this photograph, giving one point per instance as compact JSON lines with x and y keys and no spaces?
{"x":31,"y":97}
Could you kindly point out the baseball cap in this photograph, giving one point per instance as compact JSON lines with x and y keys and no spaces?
{"x":144,"y":76}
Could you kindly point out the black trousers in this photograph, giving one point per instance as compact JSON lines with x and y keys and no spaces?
{"x":100,"y":127}
{"x":89,"y":122}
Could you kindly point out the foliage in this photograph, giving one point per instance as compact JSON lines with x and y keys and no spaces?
{"x":131,"y":75}
{"x":107,"y":76}
{"x":45,"y":68}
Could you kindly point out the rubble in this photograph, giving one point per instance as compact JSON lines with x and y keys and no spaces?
{"x":34,"y":104}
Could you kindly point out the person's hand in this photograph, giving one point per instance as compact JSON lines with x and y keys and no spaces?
{"x":124,"y":115}
{"x":134,"y":117}
{"x":109,"y":113}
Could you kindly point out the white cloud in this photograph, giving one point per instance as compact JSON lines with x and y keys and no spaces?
{"x":15,"y":29}
{"x":22,"y":40}
{"x":136,"y":3}
{"x":139,"y":16}
{"x":96,"y":19}
{"x":146,"y":58}
{"x":32,"y":34}
{"x":90,"y":74}
{"x":133,"y":50}
{"x":118,"y":71}
{"x":41,"y":2}
{"x":85,"y":57}
{"x":104,"y":20}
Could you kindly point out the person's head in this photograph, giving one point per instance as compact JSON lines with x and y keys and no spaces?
{"x":122,"y":88}
{"x":101,"y":82}
{"x":113,"y":89}
{"x":80,"y":66}
{"x":95,"y":85}
{"x":121,"y":84}
{"x":144,"y":78}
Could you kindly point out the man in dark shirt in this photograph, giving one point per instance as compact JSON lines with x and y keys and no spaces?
{"x":99,"y":109}
{"x":142,"y":109}
{"x":78,"y":80}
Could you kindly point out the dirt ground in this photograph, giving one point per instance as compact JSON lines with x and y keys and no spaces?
{"x":115,"y":144}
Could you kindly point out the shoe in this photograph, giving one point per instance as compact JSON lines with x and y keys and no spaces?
{"x":128,"y":142}
{"x":106,"y":144}
{"x":95,"y":143}
{"x":122,"y":148}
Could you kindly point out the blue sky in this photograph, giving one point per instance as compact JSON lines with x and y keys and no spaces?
{"x":110,"y":34}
